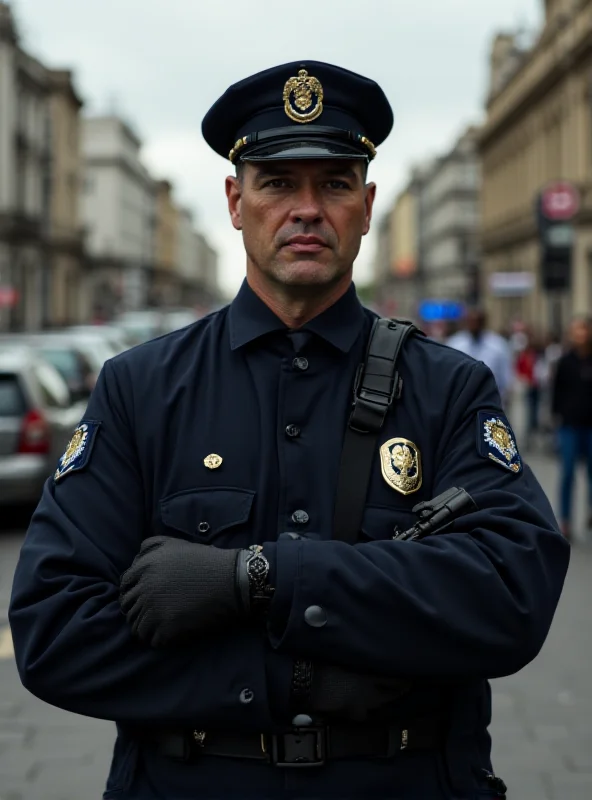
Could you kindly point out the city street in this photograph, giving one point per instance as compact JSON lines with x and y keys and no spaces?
{"x":542,"y":730}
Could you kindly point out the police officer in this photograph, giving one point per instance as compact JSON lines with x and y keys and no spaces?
{"x":183,"y":575}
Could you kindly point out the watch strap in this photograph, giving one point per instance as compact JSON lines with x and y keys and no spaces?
{"x":260,"y":592}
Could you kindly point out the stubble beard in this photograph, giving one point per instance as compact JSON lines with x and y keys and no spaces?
{"x":303,"y":273}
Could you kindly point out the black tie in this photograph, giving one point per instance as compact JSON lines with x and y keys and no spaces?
{"x":299,"y":339}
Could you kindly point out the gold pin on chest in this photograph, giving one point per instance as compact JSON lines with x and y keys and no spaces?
{"x":213,"y":461}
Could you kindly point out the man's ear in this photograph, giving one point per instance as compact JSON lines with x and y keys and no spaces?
{"x":370,"y":190}
{"x":233,"y":195}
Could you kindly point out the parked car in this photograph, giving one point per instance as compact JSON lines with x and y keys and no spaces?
{"x":173,"y":319}
{"x":115,"y":337}
{"x":37,"y":420}
{"x":78,"y":357}
{"x":140,"y":326}
{"x":77,"y":368}
{"x":95,"y":348}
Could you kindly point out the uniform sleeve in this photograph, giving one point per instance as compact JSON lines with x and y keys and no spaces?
{"x":73,"y":644}
{"x":475,"y":602}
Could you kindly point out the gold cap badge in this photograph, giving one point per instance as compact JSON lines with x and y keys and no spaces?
{"x":213,"y":461}
{"x":303,"y":97}
{"x":400,"y":460}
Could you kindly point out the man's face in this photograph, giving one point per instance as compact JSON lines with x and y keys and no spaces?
{"x":302,"y":221}
{"x":580,"y":333}
{"x":475,"y":322}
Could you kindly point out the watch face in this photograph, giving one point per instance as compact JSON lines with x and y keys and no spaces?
{"x":258,"y":567}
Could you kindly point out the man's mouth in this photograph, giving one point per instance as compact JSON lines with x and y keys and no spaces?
{"x":305,"y":244}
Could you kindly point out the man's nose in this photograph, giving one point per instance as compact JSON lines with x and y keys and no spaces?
{"x":307,"y":208}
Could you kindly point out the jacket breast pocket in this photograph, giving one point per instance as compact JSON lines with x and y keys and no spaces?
{"x":204,"y":515}
{"x":382,"y":522}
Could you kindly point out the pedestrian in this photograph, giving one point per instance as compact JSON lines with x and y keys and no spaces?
{"x":196,"y":571}
{"x":572,"y":411}
{"x":486,"y":346}
{"x":531,"y":369}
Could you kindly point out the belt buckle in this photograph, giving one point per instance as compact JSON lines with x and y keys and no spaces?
{"x":300,"y":747}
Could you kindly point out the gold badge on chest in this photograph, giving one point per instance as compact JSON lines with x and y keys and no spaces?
{"x":400,"y":460}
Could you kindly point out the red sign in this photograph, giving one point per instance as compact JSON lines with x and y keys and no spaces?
{"x":8,"y":296}
{"x":560,"y":201}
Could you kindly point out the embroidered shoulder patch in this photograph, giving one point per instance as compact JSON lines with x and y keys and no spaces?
{"x":496,"y":440}
{"x":77,"y":454}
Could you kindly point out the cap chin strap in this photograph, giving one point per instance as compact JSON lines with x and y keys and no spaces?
{"x":309,"y":133}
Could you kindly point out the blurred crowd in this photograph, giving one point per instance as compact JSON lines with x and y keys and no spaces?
{"x":550,"y":375}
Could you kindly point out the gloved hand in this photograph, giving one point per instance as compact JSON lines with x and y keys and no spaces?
{"x":336,"y":692}
{"x":176,"y":589}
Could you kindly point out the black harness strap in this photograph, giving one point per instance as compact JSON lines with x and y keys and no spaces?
{"x":377,"y":385}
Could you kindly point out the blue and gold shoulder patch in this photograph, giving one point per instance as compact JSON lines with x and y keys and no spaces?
{"x":496,"y":441}
{"x":78,"y":452}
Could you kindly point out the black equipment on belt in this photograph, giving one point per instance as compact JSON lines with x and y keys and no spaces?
{"x":437,"y":514}
{"x":309,"y":746}
{"x":377,"y":385}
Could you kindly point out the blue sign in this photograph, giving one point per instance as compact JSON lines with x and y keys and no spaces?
{"x":440,"y":310}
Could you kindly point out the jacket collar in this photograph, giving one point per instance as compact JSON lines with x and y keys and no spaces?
{"x":250,"y":318}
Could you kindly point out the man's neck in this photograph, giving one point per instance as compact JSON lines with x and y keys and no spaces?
{"x":296,"y":306}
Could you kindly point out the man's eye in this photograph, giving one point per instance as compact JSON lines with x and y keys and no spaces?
{"x":336,"y":184}
{"x":276,"y":183}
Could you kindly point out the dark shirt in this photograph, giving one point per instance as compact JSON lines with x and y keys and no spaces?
{"x":451,"y":611}
{"x":572,"y":390}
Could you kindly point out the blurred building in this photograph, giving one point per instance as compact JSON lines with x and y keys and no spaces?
{"x":185,"y":256}
{"x":119,"y":212}
{"x":197,"y":264}
{"x":186,"y":265}
{"x":428,"y":243}
{"x":538,"y":130}
{"x":166,"y":286}
{"x":68,"y":300}
{"x":207,"y":290}
{"x":397,"y":258}
{"x":24,"y":182}
{"x":398,"y":263}
{"x":449,"y":206}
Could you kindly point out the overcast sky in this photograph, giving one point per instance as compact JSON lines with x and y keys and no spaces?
{"x":162,"y":63}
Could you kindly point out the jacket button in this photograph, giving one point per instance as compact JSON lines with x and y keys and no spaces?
{"x":247,"y":696}
{"x":300,"y":363}
{"x":293,"y":431}
{"x":315,"y":616}
{"x":203,"y":527}
{"x":300,"y":517}
{"x":302,"y":721}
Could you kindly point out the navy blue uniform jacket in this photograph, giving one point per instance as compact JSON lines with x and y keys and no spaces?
{"x":449,"y":612}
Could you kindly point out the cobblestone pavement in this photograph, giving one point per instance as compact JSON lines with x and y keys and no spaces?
{"x":542,"y":727}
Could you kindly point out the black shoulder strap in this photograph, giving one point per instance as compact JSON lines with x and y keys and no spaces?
{"x":377,"y":385}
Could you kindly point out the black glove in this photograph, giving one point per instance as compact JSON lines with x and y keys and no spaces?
{"x":336,"y":692}
{"x":176,"y":589}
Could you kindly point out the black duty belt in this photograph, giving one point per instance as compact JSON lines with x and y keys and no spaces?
{"x":301,"y":747}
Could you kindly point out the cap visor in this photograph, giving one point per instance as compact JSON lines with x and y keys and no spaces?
{"x":302,"y":150}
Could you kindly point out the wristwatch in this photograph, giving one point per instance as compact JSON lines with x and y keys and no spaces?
{"x":260,"y":592}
